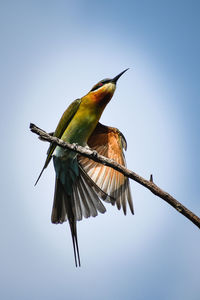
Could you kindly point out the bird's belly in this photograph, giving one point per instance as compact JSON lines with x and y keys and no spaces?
{"x":78,"y":131}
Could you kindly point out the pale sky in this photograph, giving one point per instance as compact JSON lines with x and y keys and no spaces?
{"x":54,"y":52}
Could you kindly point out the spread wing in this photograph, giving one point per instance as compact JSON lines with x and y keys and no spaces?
{"x":110,"y":143}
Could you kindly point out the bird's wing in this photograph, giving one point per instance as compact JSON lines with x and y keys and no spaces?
{"x":110,"y":143}
{"x":62,"y":125}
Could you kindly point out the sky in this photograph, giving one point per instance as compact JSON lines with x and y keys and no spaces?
{"x":53,"y":52}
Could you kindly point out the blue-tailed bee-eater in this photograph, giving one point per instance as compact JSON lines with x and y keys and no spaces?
{"x":82,"y":183}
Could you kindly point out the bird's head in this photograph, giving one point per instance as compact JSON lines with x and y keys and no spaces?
{"x":103,"y":91}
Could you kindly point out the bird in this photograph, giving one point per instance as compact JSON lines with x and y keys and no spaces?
{"x":81,"y":184}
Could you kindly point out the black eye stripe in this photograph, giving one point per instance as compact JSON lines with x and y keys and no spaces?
{"x":100,"y":84}
{"x":96,"y":87}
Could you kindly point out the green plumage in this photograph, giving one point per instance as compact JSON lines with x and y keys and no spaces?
{"x":76,"y":194}
{"x":75,"y":126}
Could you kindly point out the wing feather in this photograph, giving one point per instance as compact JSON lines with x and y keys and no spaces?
{"x":110,"y":143}
{"x":62,"y":125}
{"x":84,"y":204}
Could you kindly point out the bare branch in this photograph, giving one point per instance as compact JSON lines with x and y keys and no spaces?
{"x":149,"y":184}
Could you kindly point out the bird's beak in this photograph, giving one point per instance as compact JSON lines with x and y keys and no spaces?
{"x":119,"y":75}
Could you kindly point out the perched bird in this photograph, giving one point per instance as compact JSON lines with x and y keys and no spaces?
{"x":81,"y":183}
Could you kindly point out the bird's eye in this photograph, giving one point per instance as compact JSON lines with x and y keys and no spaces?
{"x":100,"y":84}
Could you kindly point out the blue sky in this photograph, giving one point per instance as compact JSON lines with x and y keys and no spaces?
{"x":53,"y":52}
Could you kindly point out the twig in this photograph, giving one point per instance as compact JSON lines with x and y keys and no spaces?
{"x":149,"y":184}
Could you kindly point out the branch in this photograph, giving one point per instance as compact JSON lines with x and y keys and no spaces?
{"x":149,"y":184}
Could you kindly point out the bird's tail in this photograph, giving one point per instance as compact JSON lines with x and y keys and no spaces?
{"x":75,"y":197}
{"x":72,"y":223}
{"x":63,"y":210}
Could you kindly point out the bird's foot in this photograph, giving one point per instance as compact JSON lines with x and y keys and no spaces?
{"x":75,"y":146}
{"x":95,"y":153}
{"x":88,"y":148}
